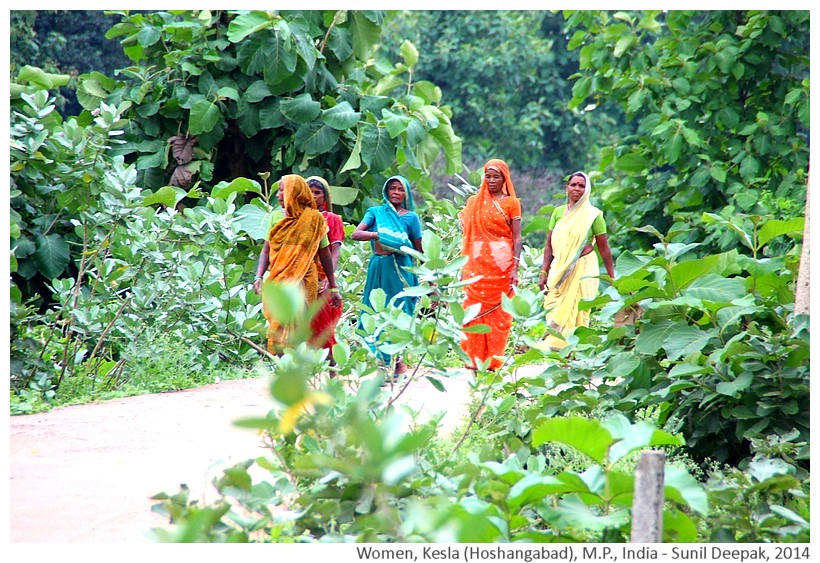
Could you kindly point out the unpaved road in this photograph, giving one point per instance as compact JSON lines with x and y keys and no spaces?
{"x":86,"y":473}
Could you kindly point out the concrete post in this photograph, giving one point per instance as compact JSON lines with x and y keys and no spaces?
{"x":647,"y":504}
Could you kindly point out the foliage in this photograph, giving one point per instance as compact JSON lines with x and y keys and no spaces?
{"x":64,"y":42}
{"x":721,"y":101}
{"x":484,"y":62}
{"x":347,"y":465}
{"x":274,"y":92}
{"x":766,"y":501}
{"x":715,"y":351}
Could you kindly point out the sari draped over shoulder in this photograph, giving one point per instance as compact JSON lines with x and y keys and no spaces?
{"x":294,"y":243}
{"x":487,"y":242}
{"x":387,"y":272}
{"x":572,"y":277}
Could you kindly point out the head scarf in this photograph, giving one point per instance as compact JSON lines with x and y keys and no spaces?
{"x":392,"y":232}
{"x":325,"y":188}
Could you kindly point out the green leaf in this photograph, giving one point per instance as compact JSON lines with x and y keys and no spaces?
{"x":51,"y":255}
{"x":396,"y":124}
{"x":776,"y":227}
{"x":534,"y":487}
{"x":586,"y":435}
{"x":684,"y":273}
{"x":341,"y":116}
{"x":257,"y":92}
{"x":364,"y":34}
{"x":254,"y":221}
{"x":301,"y":109}
{"x":378,"y":149}
{"x":239,"y":185}
{"x":343,"y":195}
{"x":245,"y":24}
{"x":713,"y":287}
{"x":203,"y":117}
{"x":168,"y":196}
{"x":316,"y":139}
{"x":285,"y":301}
{"x":733,"y":388}
{"x":681,"y":487}
{"x":632,"y":162}
{"x":409,"y":53}
{"x":575,"y":513}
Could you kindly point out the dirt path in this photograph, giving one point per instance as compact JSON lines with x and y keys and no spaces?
{"x":86,"y":473}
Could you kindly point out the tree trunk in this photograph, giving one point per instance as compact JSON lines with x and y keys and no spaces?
{"x":801,"y":297}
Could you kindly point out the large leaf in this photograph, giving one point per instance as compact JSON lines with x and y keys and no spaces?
{"x":245,"y":24}
{"x":535,"y":487}
{"x":301,"y":109}
{"x":204,"y":116}
{"x":681,"y":487}
{"x":364,"y":34}
{"x":378,"y":149}
{"x":316,"y":138}
{"x":254,"y":221}
{"x":775,"y":228}
{"x":168,"y":196}
{"x":280,"y":62}
{"x":586,"y":435}
{"x":238,"y":185}
{"x":51,"y":255}
{"x":716,"y":288}
{"x":341,"y":116}
{"x":343,"y":195}
{"x":685,"y":272}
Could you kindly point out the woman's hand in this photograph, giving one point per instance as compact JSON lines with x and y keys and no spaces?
{"x":257,"y":285}
{"x":514,"y":279}
{"x":335,"y":297}
{"x":542,"y":280}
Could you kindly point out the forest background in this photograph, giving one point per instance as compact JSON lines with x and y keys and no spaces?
{"x":145,"y":147}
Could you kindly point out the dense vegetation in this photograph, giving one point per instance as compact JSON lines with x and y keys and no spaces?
{"x":135,"y":225}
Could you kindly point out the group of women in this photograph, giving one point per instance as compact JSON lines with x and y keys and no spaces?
{"x":303,"y":247}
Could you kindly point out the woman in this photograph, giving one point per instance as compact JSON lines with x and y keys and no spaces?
{"x":388,"y":227}
{"x":324,"y":322}
{"x":491,"y":240}
{"x":570,"y":271}
{"x":294,"y":245}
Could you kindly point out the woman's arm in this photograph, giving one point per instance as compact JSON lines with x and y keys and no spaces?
{"x":417,"y":245}
{"x":516,"y":238}
{"x":326,"y":260}
{"x":362,"y":234}
{"x":334,"y":254}
{"x":545,"y":266}
{"x":261,"y":267}
{"x":606,"y":254}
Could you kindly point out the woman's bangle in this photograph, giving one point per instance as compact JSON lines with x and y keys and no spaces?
{"x":334,"y":290}
{"x":257,"y":277}
{"x":544,"y":271}
{"x":517,"y":259}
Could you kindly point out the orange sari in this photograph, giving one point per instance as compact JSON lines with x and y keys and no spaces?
{"x":487,"y":241}
{"x":294,"y":243}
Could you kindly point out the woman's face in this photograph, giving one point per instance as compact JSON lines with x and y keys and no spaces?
{"x":318,"y":196}
{"x":495,"y":181}
{"x":280,"y":194}
{"x":396,"y":193}
{"x":575,"y":188}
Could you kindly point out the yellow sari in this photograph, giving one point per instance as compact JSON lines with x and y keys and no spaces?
{"x":572,"y":277}
{"x":294,"y":243}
